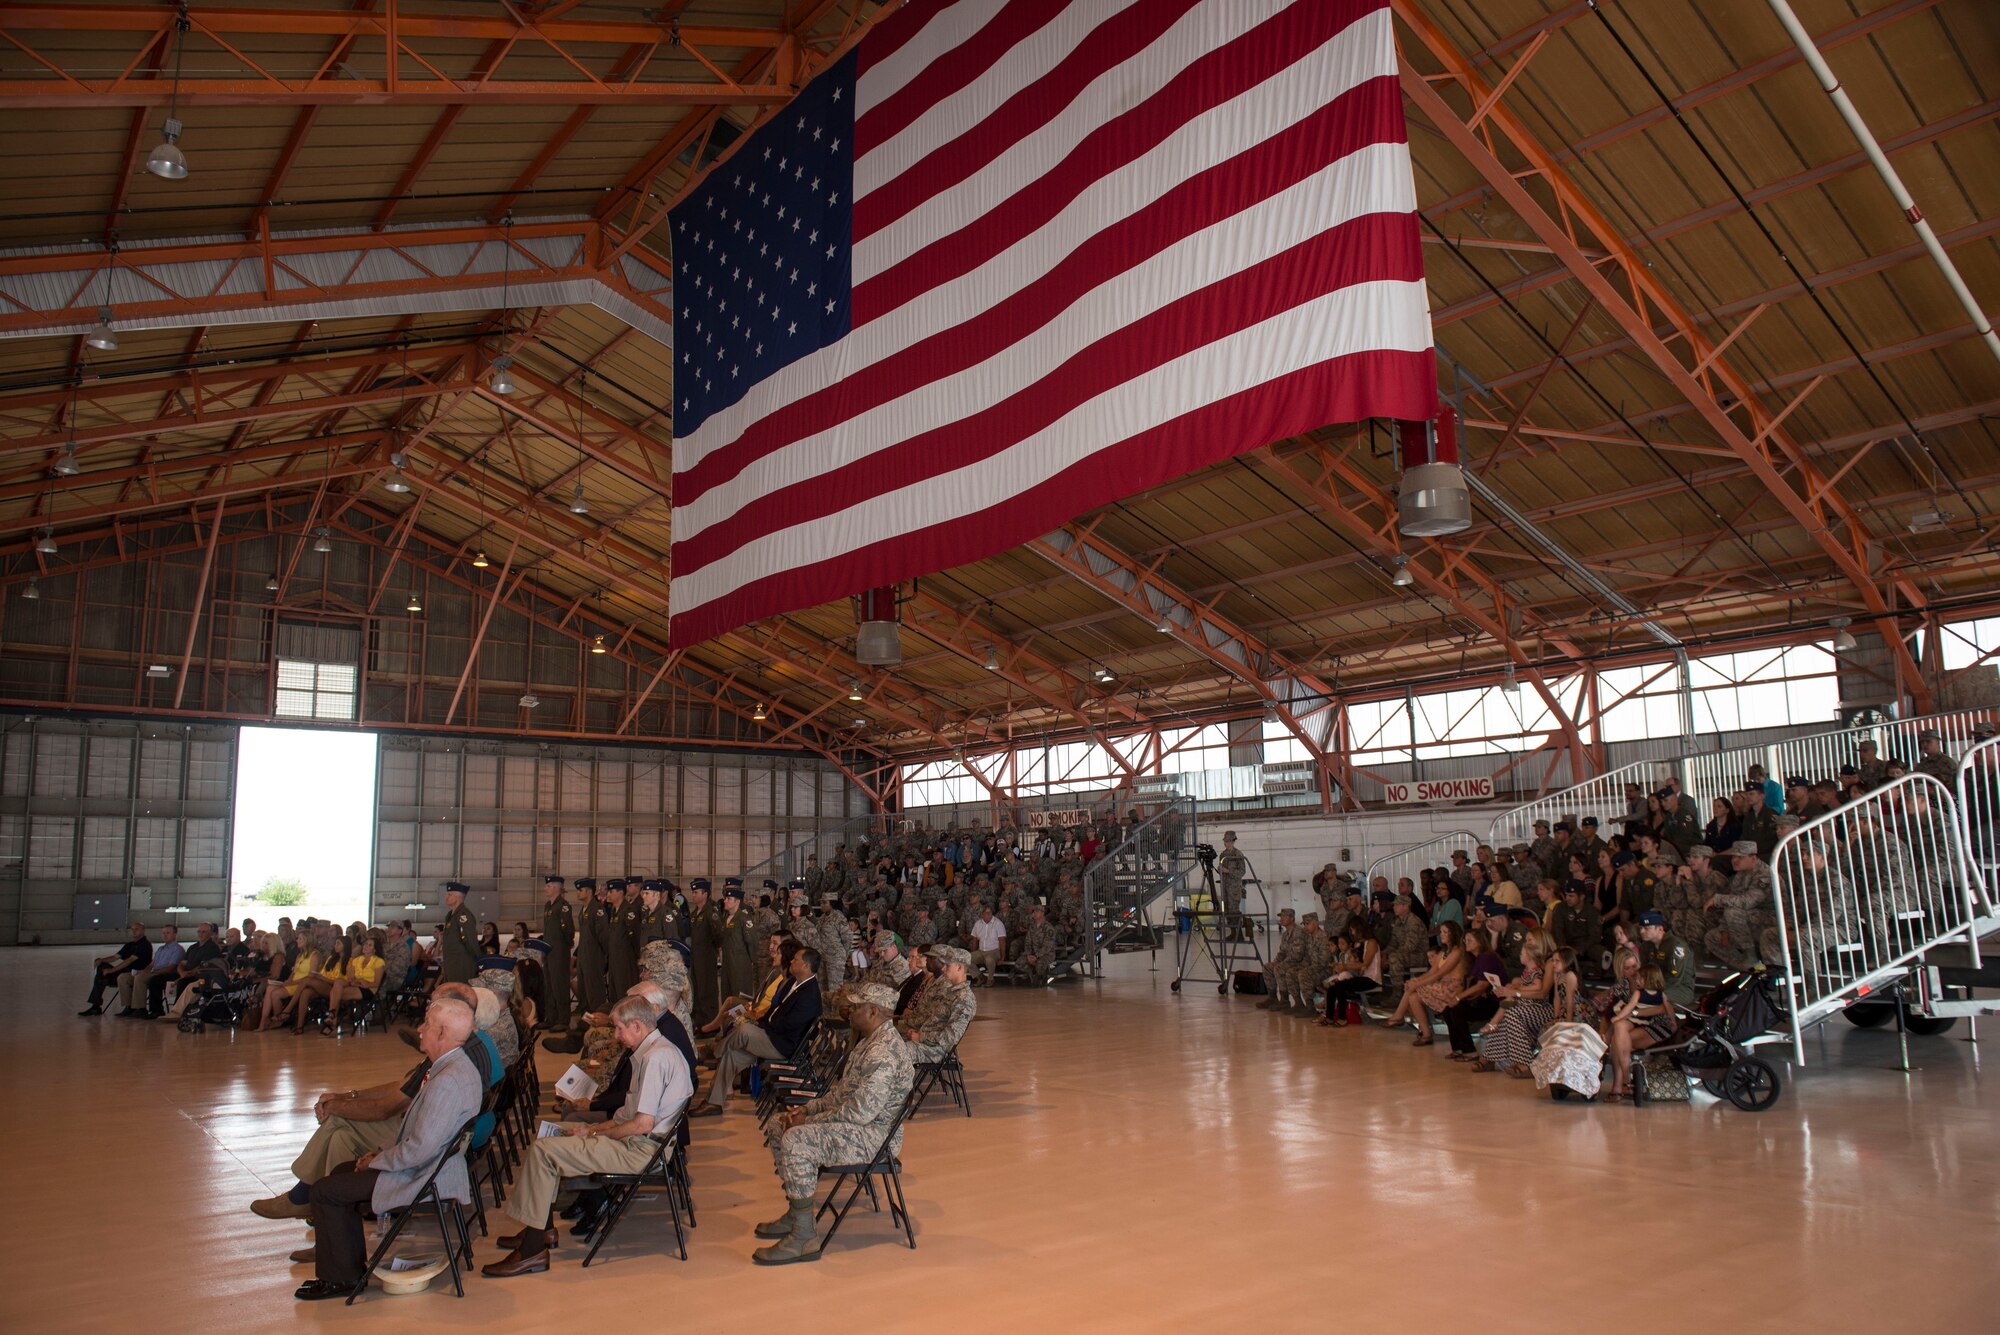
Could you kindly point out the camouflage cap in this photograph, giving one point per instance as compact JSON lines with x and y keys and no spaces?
{"x":876,"y":995}
{"x":1788,"y":822}
{"x":1701,"y":851}
{"x":1985,"y":730}
{"x":1310,"y":918}
{"x":1743,"y":848}
{"x":949,"y":954}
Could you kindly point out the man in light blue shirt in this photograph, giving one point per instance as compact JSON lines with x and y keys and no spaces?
{"x":132,"y":983}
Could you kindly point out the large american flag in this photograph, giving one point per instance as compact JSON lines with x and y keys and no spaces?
{"x":1009,"y":260}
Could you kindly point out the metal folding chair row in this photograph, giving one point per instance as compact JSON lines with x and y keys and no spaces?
{"x":884,"y":1167}
{"x":450,"y":1221}
{"x":667,"y":1170}
{"x":947,"y":1073}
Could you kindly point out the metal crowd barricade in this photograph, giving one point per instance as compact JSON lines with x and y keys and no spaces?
{"x":1406,"y":861}
{"x":1864,"y":890}
{"x":1978,"y":793}
{"x":1602,"y":797}
{"x":1820,"y":755}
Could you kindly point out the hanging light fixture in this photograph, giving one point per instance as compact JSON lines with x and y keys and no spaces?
{"x":66,"y":465}
{"x":1399,"y":571}
{"x":1163,"y":625}
{"x":854,"y":689}
{"x":397,"y":482}
{"x":503,"y":383}
{"x":1509,"y":683}
{"x":758,"y":713}
{"x":271,"y":584}
{"x":167,"y":161}
{"x":104,"y":338}
{"x":597,"y":645}
{"x":1843,"y":640}
{"x":992,"y":660}
{"x":322,"y":540}
{"x":415,"y":604}
{"x":33,"y":592}
{"x":479,"y":561}
{"x":577,"y":505}
{"x":46,"y":544}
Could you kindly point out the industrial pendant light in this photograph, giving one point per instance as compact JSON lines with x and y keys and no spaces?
{"x":413,"y":605}
{"x":1509,"y":683}
{"x":271,"y":584}
{"x":104,"y":338}
{"x":1401,"y":577}
{"x":758,"y":713}
{"x":167,"y":161}
{"x":66,"y":465}
{"x":992,"y":660}
{"x":577,"y":505}
{"x":322,"y":540}
{"x":1843,"y":640}
{"x":33,"y":592}
{"x":597,"y":645}
{"x":46,"y":544}
{"x":854,"y":689}
{"x":503,"y":383}
{"x":397,"y":482}
{"x":479,"y":561}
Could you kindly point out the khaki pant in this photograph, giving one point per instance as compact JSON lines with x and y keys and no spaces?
{"x":984,"y":962}
{"x":551,"y":1160}
{"x":337,"y":1141}
{"x":740,"y":1051}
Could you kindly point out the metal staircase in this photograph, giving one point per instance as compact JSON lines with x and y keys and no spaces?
{"x":1125,"y":886}
{"x":1882,"y":899}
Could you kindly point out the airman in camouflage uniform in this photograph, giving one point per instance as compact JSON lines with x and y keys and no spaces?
{"x":1934,"y":760}
{"x":1409,"y":944}
{"x":923,"y":932}
{"x":942,"y":1011}
{"x":765,"y":924}
{"x":833,"y":938}
{"x":1230,"y":869}
{"x":1745,"y":909}
{"x":1682,"y":829}
{"x":1885,"y":883}
{"x":664,"y":961}
{"x":1679,"y":897}
{"x":1278,"y":969}
{"x":1822,"y":898}
{"x":1039,"y":947}
{"x":1874,"y":769}
{"x":814,"y":880}
{"x":847,"y":1124}
{"x":1544,"y":851}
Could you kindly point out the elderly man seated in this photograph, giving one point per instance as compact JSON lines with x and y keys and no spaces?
{"x":939,"y":1015}
{"x":846,"y":1124}
{"x":354,"y":1121}
{"x":390,"y":1178}
{"x":661,"y":1084}
{"x":134,"y":985}
{"x":776,"y":1039}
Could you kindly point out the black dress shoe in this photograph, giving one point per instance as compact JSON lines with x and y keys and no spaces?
{"x":91,"y":1010}
{"x":319,"y":1290}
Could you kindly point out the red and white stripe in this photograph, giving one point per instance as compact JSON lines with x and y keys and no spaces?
{"x":1096,"y":245}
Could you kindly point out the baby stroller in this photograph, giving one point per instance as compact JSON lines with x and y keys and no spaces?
{"x":1712,"y":1044}
{"x":221,"y":1003}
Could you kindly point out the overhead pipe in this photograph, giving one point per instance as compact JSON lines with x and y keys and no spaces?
{"x":1824,"y":73}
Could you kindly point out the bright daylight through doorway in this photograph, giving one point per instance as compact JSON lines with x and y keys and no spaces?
{"x":305,"y":810}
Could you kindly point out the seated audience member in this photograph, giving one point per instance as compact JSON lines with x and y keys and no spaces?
{"x":1437,"y":987}
{"x":389,"y":1178}
{"x":1527,"y":1005}
{"x":232,"y":960}
{"x":735,"y":1009}
{"x":776,"y":1039}
{"x":133,"y":957}
{"x":921,"y":973}
{"x":1356,"y":971}
{"x":205,"y":953}
{"x":278,"y":997}
{"x":944,"y":1008}
{"x":496,"y":1022}
{"x":1038,"y":949}
{"x":990,"y":935}
{"x":335,"y":962}
{"x":846,"y":1124}
{"x":1476,"y":1004}
{"x":355,"y":1121}
{"x":360,"y":979}
{"x":1642,"y":1020}
{"x":661,"y":1085}
{"x":134,"y":985}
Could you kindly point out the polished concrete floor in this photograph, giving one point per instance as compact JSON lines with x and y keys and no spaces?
{"x":1138,"y":1161}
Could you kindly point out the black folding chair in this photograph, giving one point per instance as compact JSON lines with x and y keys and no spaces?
{"x":884,"y":1165}
{"x":667,"y":1169}
{"x":428,"y":1195}
{"x":946,"y":1073}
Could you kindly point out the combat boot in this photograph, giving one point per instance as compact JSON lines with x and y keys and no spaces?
{"x":801,"y":1244}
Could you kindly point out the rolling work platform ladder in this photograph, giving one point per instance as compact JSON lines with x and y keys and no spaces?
{"x":1205,"y":937}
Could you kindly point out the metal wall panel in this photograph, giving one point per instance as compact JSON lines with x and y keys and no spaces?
{"x":92,"y":808}
{"x":517,"y":810}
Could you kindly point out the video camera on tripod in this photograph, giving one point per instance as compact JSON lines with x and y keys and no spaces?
{"x":1206,"y":852}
